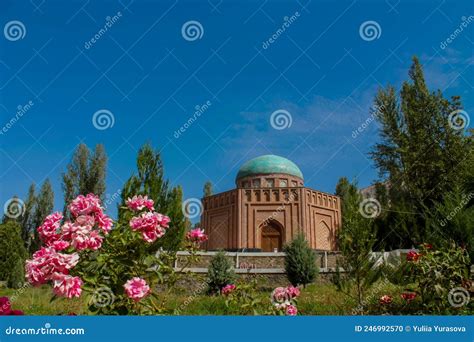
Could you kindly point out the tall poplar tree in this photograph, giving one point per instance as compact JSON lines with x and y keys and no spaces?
{"x":44,"y":206}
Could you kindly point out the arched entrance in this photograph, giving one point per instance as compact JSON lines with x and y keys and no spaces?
{"x":271,"y":237}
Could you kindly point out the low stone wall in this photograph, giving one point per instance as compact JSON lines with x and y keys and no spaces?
{"x":254,"y":262}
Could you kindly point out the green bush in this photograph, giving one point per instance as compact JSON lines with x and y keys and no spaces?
{"x":300,"y":262}
{"x":12,"y":255}
{"x":220,"y":273}
{"x":436,"y":275}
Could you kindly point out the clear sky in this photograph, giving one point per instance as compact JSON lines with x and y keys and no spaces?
{"x":149,"y":64}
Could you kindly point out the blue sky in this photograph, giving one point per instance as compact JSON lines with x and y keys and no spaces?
{"x":142,"y":70}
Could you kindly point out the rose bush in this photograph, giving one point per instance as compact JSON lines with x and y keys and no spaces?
{"x":118,"y":268}
{"x":425,"y":281}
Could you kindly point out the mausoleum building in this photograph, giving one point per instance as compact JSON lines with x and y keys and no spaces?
{"x":268,"y":207}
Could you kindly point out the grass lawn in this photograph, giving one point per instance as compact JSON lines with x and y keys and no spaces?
{"x":316,"y":299}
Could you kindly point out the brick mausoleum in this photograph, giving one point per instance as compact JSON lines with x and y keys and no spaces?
{"x":269,"y":206}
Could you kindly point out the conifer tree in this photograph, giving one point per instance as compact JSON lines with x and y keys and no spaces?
{"x":27,"y":220}
{"x":207,"y":189}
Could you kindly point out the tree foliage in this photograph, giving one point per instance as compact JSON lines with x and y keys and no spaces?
{"x":420,"y":155}
{"x":356,"y":242}
{"x":85,"y":174}
{"x":44,"y":207}
{"x":220,"y":272}
{"x":12,"y":254}
{"x":300,"y":262}
{"x":207,"y":191}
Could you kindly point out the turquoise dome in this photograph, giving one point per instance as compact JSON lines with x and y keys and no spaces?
{"x":269,"y":164}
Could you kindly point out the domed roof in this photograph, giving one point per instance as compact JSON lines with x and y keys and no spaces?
{"x":269,"y":164}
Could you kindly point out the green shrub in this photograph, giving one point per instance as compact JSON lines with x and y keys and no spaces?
{"x":437,"y":276}
{"x":300,"y":262}
{"x":220,"y":273}
{"x":12,"y":255}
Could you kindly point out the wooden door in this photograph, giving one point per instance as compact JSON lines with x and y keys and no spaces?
{"x":271,"y":238}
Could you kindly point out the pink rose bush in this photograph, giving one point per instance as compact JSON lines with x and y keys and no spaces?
{"x":284,"y":299}
{"x":84,"y":254}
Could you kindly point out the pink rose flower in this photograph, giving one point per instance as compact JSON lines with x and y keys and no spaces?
{"x":66,"y":285}
{"x":104,"y":222}
{"x":60,"y":245}
{"x":5,"y":306}
{"x":228,"y":289}
{"x":46,"y":262}
{"x":163,"y":220}
{"x":85,"y":220}
{"x":196,"y":235}
{"x":94,"y":241}
{"x":49,"y":230}
{"x":80,"y":237}
{"x":291,"y":310}
{"x":292,"y":291}
{"x":85,"y":205}
{"x":408,"y":296}
{"x":150,"y":225}
{"x":280,"y":295}
{"x":151,"y":234}
{"x":137,"y":203}
{"x":385,"y":299}
{"x":136,"y":288}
